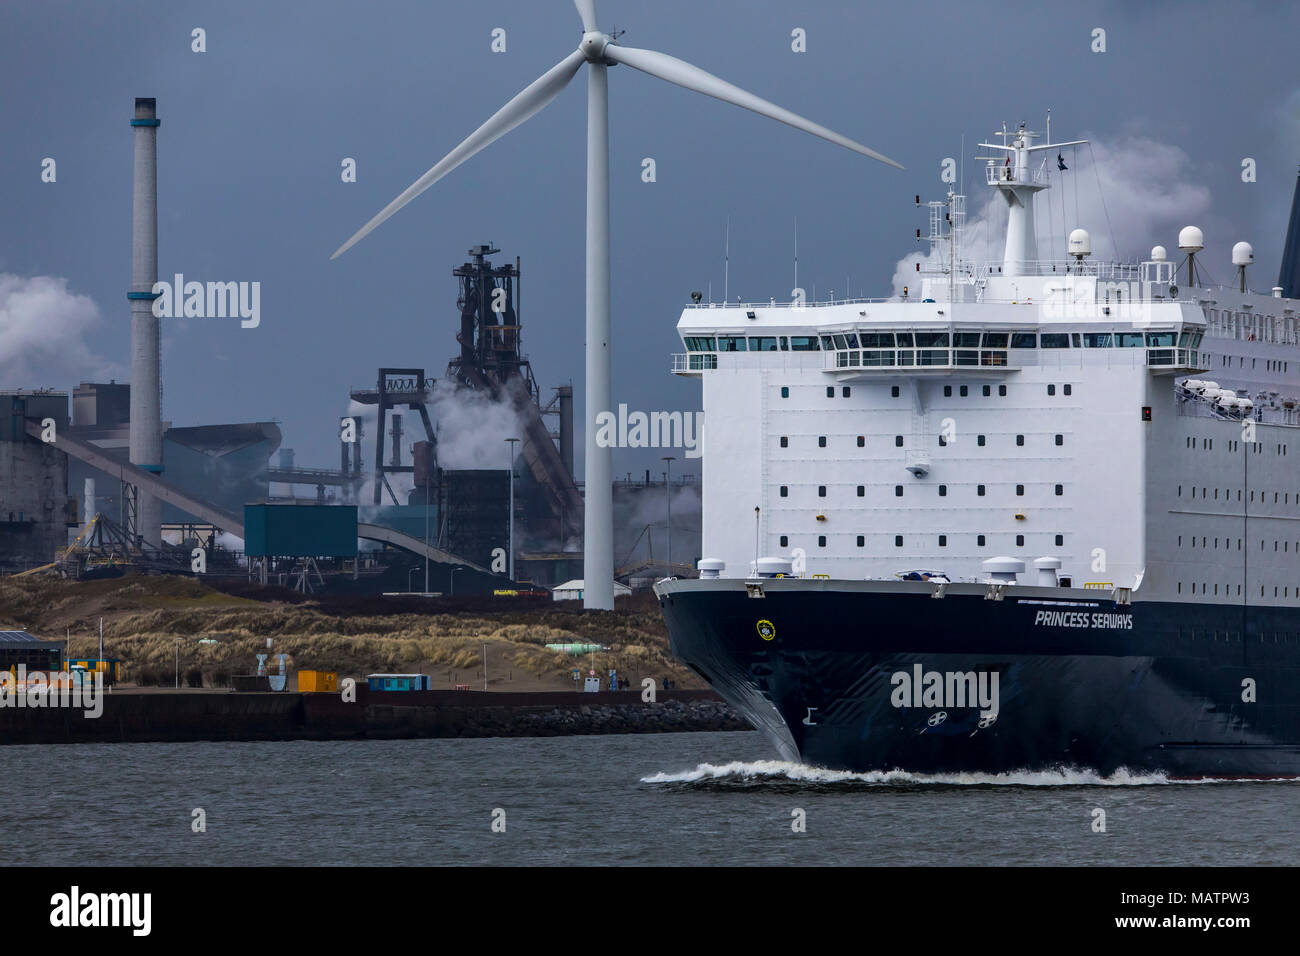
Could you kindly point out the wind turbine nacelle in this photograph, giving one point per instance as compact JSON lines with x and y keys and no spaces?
{"x":1191,"y":239}
{"x":593,"y":45}
{"x":1243,"y":254}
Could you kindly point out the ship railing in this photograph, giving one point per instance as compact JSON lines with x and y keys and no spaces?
{"x":904,"y":358}
{"x":994,"y":175}
{"x":686,"y":362}
{"x":1174,"y":358}
{"x":774,"y":304}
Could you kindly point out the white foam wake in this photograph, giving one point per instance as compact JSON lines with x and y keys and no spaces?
{"x":759,"y":771}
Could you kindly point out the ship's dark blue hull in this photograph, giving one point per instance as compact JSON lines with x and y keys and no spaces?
{"x":875,"y":677}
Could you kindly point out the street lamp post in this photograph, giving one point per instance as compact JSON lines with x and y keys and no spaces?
{"x":178,"y":663}
{"x":511,"y":556}
{"x":426,"y":536}
{"x":409,"y":589}
{"x":451,"y":582}
{"x":668,"y":484}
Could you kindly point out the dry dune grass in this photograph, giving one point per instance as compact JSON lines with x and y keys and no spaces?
{"x":146,"y":617}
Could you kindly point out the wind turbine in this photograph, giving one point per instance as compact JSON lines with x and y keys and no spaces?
{"x":599,"y":51}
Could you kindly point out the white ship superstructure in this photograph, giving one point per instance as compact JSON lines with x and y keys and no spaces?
{"x":1121,"y":424}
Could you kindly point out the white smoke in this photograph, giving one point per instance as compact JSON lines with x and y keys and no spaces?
{"x":1147,"y":194}
{"x":43,"y":326}
{"x":473,"y":427}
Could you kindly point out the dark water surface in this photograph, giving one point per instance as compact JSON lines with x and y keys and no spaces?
{"x":680,"y":799}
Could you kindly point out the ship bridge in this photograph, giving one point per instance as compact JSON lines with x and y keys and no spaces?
{"x":860,"y":339}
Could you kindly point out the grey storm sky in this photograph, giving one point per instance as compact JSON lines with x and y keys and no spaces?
{"x":254,"y":130}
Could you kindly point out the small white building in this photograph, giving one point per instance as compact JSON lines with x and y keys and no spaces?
{"x":572,"y":590}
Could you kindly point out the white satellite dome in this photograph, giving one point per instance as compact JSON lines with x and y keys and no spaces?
{"x":1080,"y":243}
{"x":1243,"y":254}
{"x":1158,"y":254}
{"x":1191,"y":239}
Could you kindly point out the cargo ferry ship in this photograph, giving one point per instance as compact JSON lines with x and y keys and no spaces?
{"x":1029,"y":514}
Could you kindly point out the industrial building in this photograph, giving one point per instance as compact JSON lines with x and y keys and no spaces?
{"x":19,"y":647}
{"x":112,"y":485}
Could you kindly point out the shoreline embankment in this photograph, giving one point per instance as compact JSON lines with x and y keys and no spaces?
{"x":131,"y":716}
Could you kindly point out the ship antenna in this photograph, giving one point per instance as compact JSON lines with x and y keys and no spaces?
{"x":756,"y":526}
{"x":726,"y":262}
{"x":796,"y":253}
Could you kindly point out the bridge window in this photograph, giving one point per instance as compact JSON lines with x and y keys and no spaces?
{"x":701,"y":343}
{"x":731,"y":343}
{"x":1024,"y":340}
{"x":1054,"y":340}
{"x":1097,"y":340}
{"x":762,"y":343}
{"x":1130,"y":340}
{"x":803,"y":343}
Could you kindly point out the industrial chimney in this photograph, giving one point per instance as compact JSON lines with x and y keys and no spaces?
{"x":146,"y":387}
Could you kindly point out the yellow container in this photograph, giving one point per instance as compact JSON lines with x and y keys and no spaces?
{"x":318,"y":682}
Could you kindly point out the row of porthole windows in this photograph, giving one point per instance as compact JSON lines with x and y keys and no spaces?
{"x":1207,"y":444}
{"x":963,"y":391}
{"x":1283,"y":592}
{"x":1285,"y":496}
{"x":980,"y":440}
{"x":1283,"y":547}
{"x":981,"y":541}
{"x":980,"y":491}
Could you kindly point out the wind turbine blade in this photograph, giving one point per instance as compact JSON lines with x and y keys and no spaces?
{"x":587,"y":10}
{"x":693,"y":78}
{"x":525,"y":104}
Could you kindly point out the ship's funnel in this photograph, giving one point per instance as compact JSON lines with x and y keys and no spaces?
{"x":146,"y":388}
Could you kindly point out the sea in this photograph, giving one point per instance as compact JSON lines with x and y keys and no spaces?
{"x":637,"y":799}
